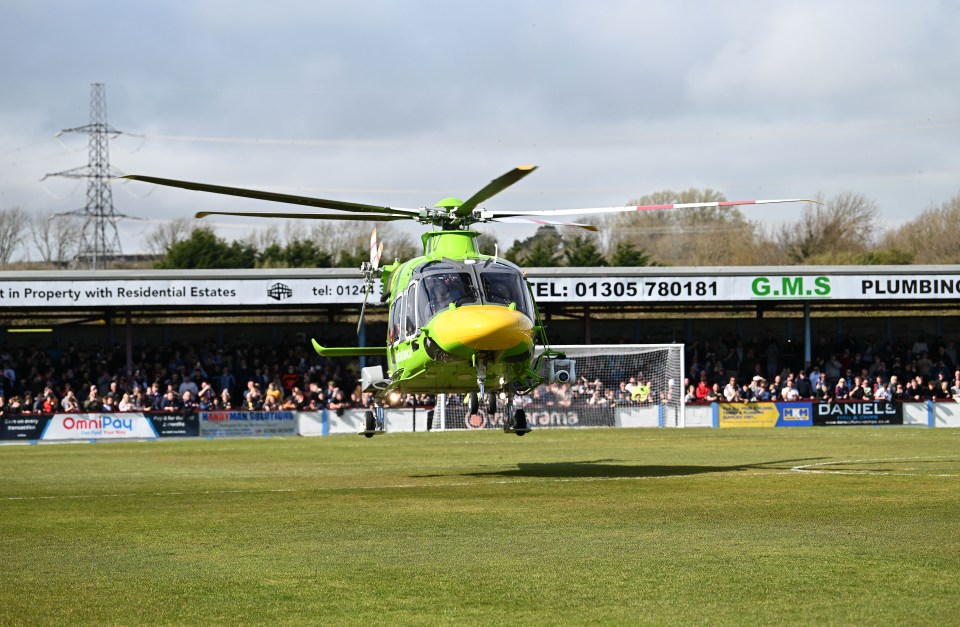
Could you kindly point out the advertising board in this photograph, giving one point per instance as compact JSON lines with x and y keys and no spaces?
{"x":854,"y":413}
{"x":740,"y":415}
{"x":240,"y":424}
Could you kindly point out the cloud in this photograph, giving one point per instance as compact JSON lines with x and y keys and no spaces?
{"x":403,"y":103}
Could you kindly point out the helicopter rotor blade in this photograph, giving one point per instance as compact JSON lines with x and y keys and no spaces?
{"x":596,"y":210}
{"x":521,"y":220}
{"x":495,"y":186}
{"x":303,"y":216}
{"x":374,"y":259}
{"x":274,"y":197}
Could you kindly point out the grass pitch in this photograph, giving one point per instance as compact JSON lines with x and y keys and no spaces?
{"x":630,"y":526}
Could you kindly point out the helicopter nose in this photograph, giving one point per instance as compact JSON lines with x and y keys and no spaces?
{"x":483,"y":327}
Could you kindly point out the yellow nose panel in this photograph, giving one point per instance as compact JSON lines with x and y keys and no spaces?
{"x":483,"y":327}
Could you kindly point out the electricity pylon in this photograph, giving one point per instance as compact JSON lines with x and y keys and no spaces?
{"x":99,"y":240}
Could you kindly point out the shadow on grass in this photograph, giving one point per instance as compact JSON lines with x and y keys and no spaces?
{"x":610,"y":468}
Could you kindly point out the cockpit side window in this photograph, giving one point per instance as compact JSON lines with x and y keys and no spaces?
{"x":437,"y":291}
{"x":395,"y":315}
{"x":503,"y":288}
{"x":410,"y":316}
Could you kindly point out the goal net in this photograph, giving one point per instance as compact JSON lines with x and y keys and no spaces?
{"x":616,"y":385}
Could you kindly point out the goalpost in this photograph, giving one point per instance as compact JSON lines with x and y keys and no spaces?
{"x":616,"y":385}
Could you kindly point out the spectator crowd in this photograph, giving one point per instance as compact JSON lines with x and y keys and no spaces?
{"x":177,"y":377}
{"x":184,"y":376}
{"x":848,"y":370}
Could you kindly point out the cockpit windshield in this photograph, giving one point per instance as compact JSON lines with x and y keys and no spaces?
{"x":439,"y":290}
{"x":503,"y":288}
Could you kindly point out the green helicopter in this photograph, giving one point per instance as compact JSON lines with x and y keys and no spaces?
{"x":459,"y":321}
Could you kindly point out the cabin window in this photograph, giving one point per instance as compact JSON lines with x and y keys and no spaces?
{"x":439,"y":290}
{"x":410,"y":316}
{"x":503,"y":288}
{"x":395,"y":313}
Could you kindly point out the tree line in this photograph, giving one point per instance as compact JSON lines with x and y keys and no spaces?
{"x":846,"y":229}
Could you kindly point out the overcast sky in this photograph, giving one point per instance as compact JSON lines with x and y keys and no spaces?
{"x":403,"y":103}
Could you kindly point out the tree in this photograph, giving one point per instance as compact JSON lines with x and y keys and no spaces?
{"x":542,"y":250}
{"x":56,"y":236}
{"x":583,"y":252}
{"x":12,"y":232}
{"x":203,"y":249}
{"x":159,"y":239}
{"x":348,"y":243}
{"x":848,"y":223}
{"x":626,"y":255}
{"x":933,"y":237}
{"x":702,"y":236}
{"x":298,"y":253}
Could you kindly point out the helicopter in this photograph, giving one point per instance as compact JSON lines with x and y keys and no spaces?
{"x":459,"y":321}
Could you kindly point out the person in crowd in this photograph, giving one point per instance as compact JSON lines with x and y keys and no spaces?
{"x":205,"y":396}
{"x":774,"y":387}
{"x":863,"y":391}
{"x":46,"y":403}
{"x":943,"y":391}
{"x":93,"y":402}
{"x":703,"y":387}
{"x":882,"y":393}
{"x":188,"y":402}
{"x":789,"y":393}
{"x":296,"y":401}
{"x":253,"y":398}
{"x":714,"y":394}
{"x":804,"y":385}
{"x":188,"y":385}
{"x":731,"y":391}
{"x":171,"y":401}
{"x":270,"y":403}
{"x":823,"y":393}
{"x":273,"y":393}
{"x":841,"y":392}
{"x":154,"y":396}
{"x":69,"y":401}
{"x":125,"y":404}
{"x":137,"y":400}
{"x":900,"y":393}
{"x":14,"y":406}
{"x":763,"y":392}
{"x":333,"y":397}
{"x":226,"y":380}
{"x":226,"y":401}
{"x":832,"y":370}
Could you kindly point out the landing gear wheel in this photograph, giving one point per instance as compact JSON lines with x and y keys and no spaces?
{"x":370,"y":424}
{"x":520,"y":422}
{"x":491,"y":404}
{"x":474,"y":403}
